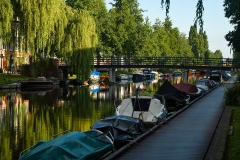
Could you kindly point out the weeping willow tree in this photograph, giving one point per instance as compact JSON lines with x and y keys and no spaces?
{"x":6,"y":17}
{"x":80,"y":42}
{"x":42,"y":25}
{"x":46,"y":26}
{"x":36,"y":25}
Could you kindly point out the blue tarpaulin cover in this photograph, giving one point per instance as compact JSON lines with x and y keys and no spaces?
{"x":73,"y":145}
{"x":95,"y":73}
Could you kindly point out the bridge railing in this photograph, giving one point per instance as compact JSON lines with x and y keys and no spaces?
{"x":181,"y":61}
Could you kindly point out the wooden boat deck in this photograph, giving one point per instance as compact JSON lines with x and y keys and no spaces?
{"x":186,"y":136}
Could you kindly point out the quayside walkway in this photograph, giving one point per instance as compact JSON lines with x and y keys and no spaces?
{"x":187,"y":136}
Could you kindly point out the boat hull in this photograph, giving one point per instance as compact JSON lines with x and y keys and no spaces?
{"x":37,"y":85}
{"x":10,"y":86}
{"x":138,"y":77}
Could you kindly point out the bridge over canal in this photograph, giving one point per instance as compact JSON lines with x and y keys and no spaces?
{"x":186,"y":63}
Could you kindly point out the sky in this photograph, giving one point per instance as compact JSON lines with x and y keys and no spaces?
{"x":182,"y":14}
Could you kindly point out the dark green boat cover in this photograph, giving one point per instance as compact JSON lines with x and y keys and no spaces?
{"x":73,"y":145}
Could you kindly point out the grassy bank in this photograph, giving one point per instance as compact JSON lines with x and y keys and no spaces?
{"x":232,"y":147}
{"x":233,"y":142}
{"x":8,"y":78}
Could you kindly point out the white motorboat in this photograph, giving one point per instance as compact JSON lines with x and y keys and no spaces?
{"x":147,"y":108}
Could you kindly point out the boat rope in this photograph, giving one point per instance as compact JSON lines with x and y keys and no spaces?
{"x":126,"y":107}
{"x":137,"y":101}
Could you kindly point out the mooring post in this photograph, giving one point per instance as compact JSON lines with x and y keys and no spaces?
{"x":186,"y":76}
{"x":112,"y":75}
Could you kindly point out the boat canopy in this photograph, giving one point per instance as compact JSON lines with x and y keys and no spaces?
{"x":186,"y":87}
{"x":172,"y":95}
{"x":216,"y":76}
{"x":95,"y":73}
{"x":73,"y":145}
{"x":122,"y":128}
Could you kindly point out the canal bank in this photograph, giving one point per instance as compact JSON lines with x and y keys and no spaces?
{"x":197,"y":133}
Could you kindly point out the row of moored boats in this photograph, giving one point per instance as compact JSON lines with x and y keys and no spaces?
{"x":133,"y":116}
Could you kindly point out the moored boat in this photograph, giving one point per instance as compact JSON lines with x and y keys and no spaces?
{"x":94,"y":76}
{"x":216,"y":76}
{"x":147,"y":108}
{"x":138,"y":76}
{"x":173,"y":96}
{"x":148,"y":74}
{"x":205,"y":84}
{"x":123,"y":76}
{"x":190,"y":89}
{"x":40,"y":84}
{"x":13,"y":85}
{"x":155,"y":74}
{"x":121,"y":128}
{"x":88,"y":145}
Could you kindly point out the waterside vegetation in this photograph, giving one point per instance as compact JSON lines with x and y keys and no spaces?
{"x":232,"y":97}
{"x":8,"y":78}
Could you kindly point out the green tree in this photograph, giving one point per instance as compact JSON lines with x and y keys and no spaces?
{"x":125,"y":21}
{"x":205,"y":44}
{"x":193,"y":40}
{"x":231,"y":8}
{"x":6,"y":19}
{"x":218,"y":54}
{"x":44,"y":27}
{"x":145,"y":44}
{"x":98,"y":10}
{"x":79,"y":44}
{"x":184,"y":48}
{"x":161,"y":38}
{"x":34,"y":24}
{"x":201,"y":45}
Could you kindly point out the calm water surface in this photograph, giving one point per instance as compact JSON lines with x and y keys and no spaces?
{"x":27,"y":117}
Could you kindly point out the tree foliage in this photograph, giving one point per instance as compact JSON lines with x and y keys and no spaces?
{"x":6,"y":17}
{"x":232,"y":12}
{"x":125,"y":23}
{"x":49,"y":27}
{"x":78,"y":30}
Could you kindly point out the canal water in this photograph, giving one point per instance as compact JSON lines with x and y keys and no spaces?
{"x":27,"y":117}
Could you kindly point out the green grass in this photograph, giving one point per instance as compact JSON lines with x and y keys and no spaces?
{"x":232,"y":97}
{"x":8,"y":78}
{"x":119,"y":71}
{"x":233,"y":142}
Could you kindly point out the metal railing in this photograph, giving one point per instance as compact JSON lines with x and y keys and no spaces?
{"x":167,"y":62}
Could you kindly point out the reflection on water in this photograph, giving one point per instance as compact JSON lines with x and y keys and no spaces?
{"x":27,"y":117}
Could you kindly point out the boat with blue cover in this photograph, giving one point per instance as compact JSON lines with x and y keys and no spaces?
{"x":89,"y":145}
